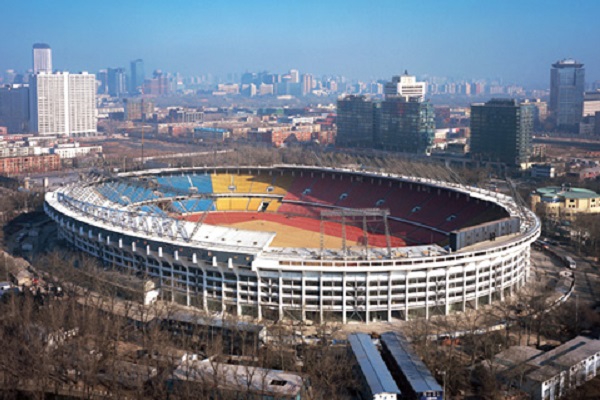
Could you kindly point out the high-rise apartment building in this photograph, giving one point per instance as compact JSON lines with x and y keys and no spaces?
{"x":356,"y":121}
{"x":501,"y":131}
{"x":406,"y":125}
{"x":567,"y":84}
{"x":591,"y":103}
{"x":42,"y":58}
{"x":137,"y":76}
{"x":307,"y":84}
{"x":159,"y":85}
{"x":63,"y":104}
{"x":294,"y":76}
{"x":405,"y":86}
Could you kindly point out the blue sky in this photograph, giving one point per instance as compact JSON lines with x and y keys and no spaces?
{"x":515,"y":40}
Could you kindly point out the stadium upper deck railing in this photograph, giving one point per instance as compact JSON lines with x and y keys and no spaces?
{"x":90,"y":204}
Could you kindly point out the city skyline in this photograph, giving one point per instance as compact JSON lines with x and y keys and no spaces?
{"x":349,"y":38}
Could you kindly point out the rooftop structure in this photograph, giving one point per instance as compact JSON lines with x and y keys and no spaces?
{"x":410,"y":369}
{"x":377,"y":382}
{"x":405,"y":86}
{"x":546,"y":375}
{"x":218,"y":378}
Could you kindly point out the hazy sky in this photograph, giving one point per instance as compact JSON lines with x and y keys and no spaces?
{"x":515,"y":40}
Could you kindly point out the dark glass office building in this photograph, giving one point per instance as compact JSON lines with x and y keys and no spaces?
{"x":406,"y":125}
{"x":501,"y":131}
{"x":356,"y":121}
{"x":567,"y":82}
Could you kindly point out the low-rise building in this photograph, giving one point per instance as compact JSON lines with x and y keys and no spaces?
{"x":543,"y":171}
{"x":18,"y":165}
{"x":586,"y":173}
{"x":549,"y":375}
{"x":564,"y":202}
{"x":283,"y":135}
{"x":73,"y":150}
{"x":374,"y":377}
{"x":216,"y":380}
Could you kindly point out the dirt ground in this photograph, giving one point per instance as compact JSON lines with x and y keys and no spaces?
{"x":289,"y":236}
{"x":295,"y":231}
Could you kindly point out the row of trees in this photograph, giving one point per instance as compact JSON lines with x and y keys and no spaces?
{"x":90,"y":344}
{"x":247,"y":155}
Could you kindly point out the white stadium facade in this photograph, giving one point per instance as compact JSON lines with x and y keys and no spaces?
{"x":368,"y":246}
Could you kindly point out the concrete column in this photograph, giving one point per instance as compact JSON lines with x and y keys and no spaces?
{"x":464,"y":285}
{"x":238,"y":300}
{"x":280,"y":296}
{"x":367,"y":299}
{"x":187,"y":286}
{"x":344,"y":298}
{"x":172,"y":282}
{"x":477,"y":286}
{"x":223,"y":296}
{"x":447,"y":294}
{"x":427,"y":276}
{"x":502,"y":281}
{"x":321,"y":297}
{"x":491,"y":283}
{"x":303,"y":297}
{"x":389,"y":298}
{"x":406,"y":279}
{"x":258,"y":294}
{"x":204,"y":291}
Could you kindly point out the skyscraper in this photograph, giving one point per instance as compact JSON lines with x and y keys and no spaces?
{"x":42,"y":58}
{"x":137,"y":76}
{"x":567,"y":83}
{"x":62,"y":104}
{"x":116,"y":82}
{"x":501,"y":131}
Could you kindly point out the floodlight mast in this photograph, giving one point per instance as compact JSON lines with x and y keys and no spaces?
{"x":367,"y":215}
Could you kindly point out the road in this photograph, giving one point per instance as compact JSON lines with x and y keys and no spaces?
{"x":587,"y":278}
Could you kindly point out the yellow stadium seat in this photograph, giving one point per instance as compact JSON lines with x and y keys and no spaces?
{"x":239,"y":204}
{"x":260,"y":183}
{"x":254,"y":204}
{"x":243,"y":183}
{"x":282,"y":184}
{"x":274,"y":205}
{"x":221,"y":183}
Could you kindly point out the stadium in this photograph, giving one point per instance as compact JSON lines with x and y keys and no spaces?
{"x":303,"y":243}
